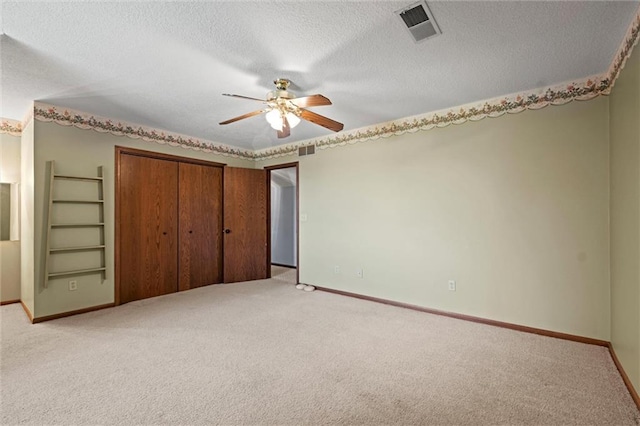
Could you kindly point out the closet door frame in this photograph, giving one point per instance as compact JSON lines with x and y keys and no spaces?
{"x":121,"y":150}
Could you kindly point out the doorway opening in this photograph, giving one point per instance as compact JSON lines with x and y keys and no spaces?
{"x":283,"y":218}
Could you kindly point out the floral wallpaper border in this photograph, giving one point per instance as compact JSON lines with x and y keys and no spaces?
{"x":10,"y":127}
{"x":583,"y":89}
{"x":69,"y":117}
{"x":559,"y":95}
{"x":624,"y":52}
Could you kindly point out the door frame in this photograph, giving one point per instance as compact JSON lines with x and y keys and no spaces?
{"x":296,"y":165}
{"x":120,"y":150}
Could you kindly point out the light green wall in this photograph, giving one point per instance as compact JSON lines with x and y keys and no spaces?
{"x":515,"y":209}
{"x":80,"y":152}
{"x":625,"y":218}
{"x":27,"y":226}
{"x":9,"y":250}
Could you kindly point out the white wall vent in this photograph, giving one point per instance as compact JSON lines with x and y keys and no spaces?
{"x":419,"y":21}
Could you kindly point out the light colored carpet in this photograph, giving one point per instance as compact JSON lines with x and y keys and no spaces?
{"x":265,"y":353}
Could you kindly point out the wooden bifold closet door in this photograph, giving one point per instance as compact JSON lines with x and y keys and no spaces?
{"x":245,"y":222}
{"x":171,"y":232}
{"x":148,"y":227}
{"x":169,"y":225}
{"x":200,"y":221}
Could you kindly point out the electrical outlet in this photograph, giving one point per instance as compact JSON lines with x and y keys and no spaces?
{"x":336,"y":269}
{"x":73,"y":285}
{"x":360,"y":273}
{"x":452,"y":285}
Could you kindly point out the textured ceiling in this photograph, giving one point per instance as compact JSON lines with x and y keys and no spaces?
{"x":166,"y":64}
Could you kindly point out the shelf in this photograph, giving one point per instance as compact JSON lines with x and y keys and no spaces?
{"x":94,"y":244}
{"x":75,"y":225}
{"x":87,"y":178}
{"x":79,"y":248}
{"x":77,"y":272}
{"x":79,"y":201}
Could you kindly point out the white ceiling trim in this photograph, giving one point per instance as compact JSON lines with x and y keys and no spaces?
{"x":584,"y":89}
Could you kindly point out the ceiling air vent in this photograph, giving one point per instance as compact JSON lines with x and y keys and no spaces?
{"x":306,"y":150}
{"x":419,"y":21}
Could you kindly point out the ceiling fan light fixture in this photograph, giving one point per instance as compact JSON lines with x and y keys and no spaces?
{"x":293,"y":119}
{"x":274,"y":118}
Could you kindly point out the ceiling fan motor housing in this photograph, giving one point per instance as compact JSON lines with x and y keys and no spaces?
{"x":282,"y":84}
{"x":279,"y":94}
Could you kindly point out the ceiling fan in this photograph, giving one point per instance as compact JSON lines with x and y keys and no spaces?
{"x":284,"y":111}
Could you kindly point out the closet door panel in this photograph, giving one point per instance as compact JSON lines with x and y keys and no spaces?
{"x":148,"y":227}
{"x":245,"y":222}
{"x":200,"y":218}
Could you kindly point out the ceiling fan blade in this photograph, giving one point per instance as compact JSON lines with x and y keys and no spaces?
{"x":286,"y":129}
{"x":244,"y":97}
{"x":321,"y":120}
{"x":310,"y":101}
{"x":241,"y":117}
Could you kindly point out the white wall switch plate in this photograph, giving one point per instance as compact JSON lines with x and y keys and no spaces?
{"x":336,"y":269}
{"x":452,"y":285}
{"x":360,"y":273}
{"x":73,"y":285}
